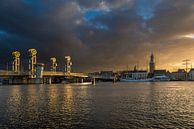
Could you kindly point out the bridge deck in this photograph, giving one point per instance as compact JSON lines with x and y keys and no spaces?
{"x":4,"y":73}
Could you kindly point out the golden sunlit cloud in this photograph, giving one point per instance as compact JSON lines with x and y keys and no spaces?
{"x":191,"y":36}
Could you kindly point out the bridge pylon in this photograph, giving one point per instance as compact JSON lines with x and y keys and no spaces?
{"x":16,"y":61}
{"x":53,"y":64}
{"x":32,"y":62}
{"x":68,"y":64}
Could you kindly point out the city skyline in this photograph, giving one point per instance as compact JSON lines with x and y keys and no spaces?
{"x":99,"y":35}
{"x":17,"y":64}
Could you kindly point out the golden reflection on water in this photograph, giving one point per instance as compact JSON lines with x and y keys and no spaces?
{"x":172,"y":100}
{"x":127,"y":105}
{"x":53,"y":93}
{"x":68,"y":97}
{"x":32,"y":96}
{"x":14,"y":99}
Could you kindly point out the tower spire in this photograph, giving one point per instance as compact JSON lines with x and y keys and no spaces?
{"x":152,"y":63}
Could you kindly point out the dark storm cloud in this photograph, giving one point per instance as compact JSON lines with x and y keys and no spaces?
{"x":97,"y":34}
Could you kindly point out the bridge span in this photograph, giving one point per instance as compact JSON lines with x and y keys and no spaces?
{"x":36,"y":73}
{"x":47,"y":77}
{"x":4,"y":73}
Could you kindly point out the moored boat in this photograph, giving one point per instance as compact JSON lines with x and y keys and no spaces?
{"x":135,"y":80}
{"x":161,"y":78}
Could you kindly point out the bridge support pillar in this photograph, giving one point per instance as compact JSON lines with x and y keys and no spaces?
{"x":17,"y":80}
{"x":94,"y":81}
{"x":114,"y":80}
{"x":10,"y":81}
{"x":49,"y":80}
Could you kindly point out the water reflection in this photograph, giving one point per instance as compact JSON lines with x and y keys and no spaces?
{"x":68,"y":97}
{"x":53,"y":94}
{"x":126,"y":105}
{"x":13,"y":103}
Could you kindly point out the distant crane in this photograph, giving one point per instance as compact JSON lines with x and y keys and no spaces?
{"x":186,"y":63}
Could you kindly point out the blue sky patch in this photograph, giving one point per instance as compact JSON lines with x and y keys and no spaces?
{"x":90,"y":17}
{"x":92,"y":14}
{"x":146,"y":9}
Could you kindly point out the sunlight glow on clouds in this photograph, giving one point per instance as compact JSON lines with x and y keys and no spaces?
{"x":191,"y":36}
{"x":100,"y":31}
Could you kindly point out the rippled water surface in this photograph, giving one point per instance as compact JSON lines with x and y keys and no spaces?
{"x":106,"y":105}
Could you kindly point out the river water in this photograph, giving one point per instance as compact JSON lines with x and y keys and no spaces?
{"x":104,"y":106}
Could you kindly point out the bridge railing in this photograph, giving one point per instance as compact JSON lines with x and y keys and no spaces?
{"x":50,"y":73}
{"x":45,"y":73}
{"x":11,"y":73}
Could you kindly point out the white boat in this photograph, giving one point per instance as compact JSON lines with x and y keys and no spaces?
{"x":84,"y":83}
{"x":77,"y":83}
{"x":161,"y":78}
{"x":135,"y":80}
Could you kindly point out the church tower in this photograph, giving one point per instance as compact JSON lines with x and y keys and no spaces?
{"x":152,"y":64}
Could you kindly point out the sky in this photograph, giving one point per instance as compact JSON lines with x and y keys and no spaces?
{"x":99,"y":34}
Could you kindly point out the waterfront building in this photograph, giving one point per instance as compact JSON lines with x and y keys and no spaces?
{"x":135,"y":75}
{"x":191,"y":74}
{"x":140,"y":74}
{"x":160,"y":72}
{"x":179,"y":75}
{"x":106,"y":74}
{"x":94,"y":74}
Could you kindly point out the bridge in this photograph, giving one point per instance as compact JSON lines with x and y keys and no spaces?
{"x":4,"y":73}
{"x":48,"y":77}
{"x":36,"y":73}
{"x":62,"y":74}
